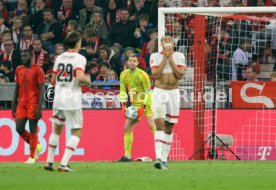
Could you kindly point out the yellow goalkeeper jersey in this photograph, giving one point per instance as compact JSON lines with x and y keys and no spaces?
{"x":137,"y":85}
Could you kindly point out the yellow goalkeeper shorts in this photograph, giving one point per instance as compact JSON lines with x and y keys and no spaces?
{"x":148,"y":110}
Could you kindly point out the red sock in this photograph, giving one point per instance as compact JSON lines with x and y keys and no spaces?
{"x":26,"y":136}
{"x":33,"y":143}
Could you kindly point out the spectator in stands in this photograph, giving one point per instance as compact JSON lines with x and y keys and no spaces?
{"x":240,"y":60}
{"x":251,"y":74}
{"x":115,"y":60}
{"x":22,"y":11}
{"x":181,"y":43}
{"x":111,"y":13}
{"x":49,"y":31}
{"x":150,"y":46}
{"x":213,"y":3}
{"x":122,"y":32}
{"x":104,"y":54}
{"x":187,"y":3}
{"x":138,"y":9}
{"x":141,"y":33}
{"x":173,"y":3}
{"x":154,"y":10}
{"x":273,"y":76}
{"x":11,"y":5}
{"x":2,"y":80}
{"x":72,"y":26}
{"x":48,"y":68}
{"x":11,"y":53}
{"x":17,"y":29}
{"x":27,"y":38}
{"x":101,"y":3}
{"x":112,"y":60}
{"x":4,"y":13}
{"x":86,"y":13}
{"x":103,"y":70}
{"x":92,"y":44}
{"x":259,"y":3}
{"x":97,"y":24}
{"x":129,"y":51}
{"x":256,"y":64}
{"x":6,"y":35}
{"x":3,"y":27}
{"x":37,"y":17}
{"x":40,"y":56}
{"x":111,"y":76}
{"x":92,"y":68}
{"x":235,"y":3}
{"x":6,"y":67}
{"x":66,"y":13}
{"x":59,"y":49}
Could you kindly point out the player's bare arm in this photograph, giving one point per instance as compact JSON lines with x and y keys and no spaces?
{"x":53,"y":79}
{"x":81,"y":77}
{"x":178,"y":71}
{"x":15,"y":100}
{"x":38,"y":113}
{"x":157,"y":71}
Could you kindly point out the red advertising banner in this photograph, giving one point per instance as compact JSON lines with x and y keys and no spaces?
{"x":253,"y":132}
{"x":253,"y":94}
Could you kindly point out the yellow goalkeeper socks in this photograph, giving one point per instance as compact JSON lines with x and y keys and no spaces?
{"x":128,"y":139}
{"x":153,"y":129}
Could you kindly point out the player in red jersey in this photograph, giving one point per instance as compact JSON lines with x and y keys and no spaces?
{"x":27,"y":102}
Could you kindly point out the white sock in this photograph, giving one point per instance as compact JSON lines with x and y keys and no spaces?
{"x":70,"y":149}
{"x":166,"y":146}
{"x":52,"y":145}
{"x":158,"y":138}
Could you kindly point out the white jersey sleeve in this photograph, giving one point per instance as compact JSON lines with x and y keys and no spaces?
{"x":68,"y":94}
{"x":155,"y":60}
{"x":81,"y":65}
{"x":179,"y":59}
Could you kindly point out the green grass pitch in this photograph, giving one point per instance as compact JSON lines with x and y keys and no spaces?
{"x":201,"y":175}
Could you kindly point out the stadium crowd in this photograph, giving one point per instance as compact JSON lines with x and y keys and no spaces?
{"x":112,"y":30}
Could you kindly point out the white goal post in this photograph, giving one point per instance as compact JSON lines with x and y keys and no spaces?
{"x":210,"y":37}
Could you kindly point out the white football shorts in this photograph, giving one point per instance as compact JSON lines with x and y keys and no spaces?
{"x":166,"y":104}
{"x":73,"y":118}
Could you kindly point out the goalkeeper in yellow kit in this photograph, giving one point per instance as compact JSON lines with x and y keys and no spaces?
{"x":135,"y":84}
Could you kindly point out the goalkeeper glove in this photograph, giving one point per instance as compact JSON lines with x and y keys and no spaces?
{"x":140,"y":112}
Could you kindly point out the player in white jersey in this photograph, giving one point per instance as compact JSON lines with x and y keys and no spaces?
{"x":167,"y":68}
{"x":68,"y":74}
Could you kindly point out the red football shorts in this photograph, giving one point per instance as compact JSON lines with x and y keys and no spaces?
{"x":26,"y":111}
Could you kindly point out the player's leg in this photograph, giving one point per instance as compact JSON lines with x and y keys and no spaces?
{"x":21,"y":119}
{"x":172,"y":113}
{"x":128,"y":139}
{"x":35,"y":147}
{"x":159,"y":113}
{"x":58,"y":120}
{"x":34,"y":140}
{"x":20,"y":128}
{"x":166,"y":145}
{"x":75,"y":121}
{"x":149,"y":114}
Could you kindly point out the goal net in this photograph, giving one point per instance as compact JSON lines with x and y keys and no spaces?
{"x":230,"y":56}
